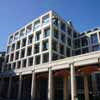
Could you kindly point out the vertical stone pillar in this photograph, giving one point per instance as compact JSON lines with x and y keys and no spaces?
{"x":73,"y":83}
{"x":86,"y":89}
{"x":33,"y":86}
{"x":19,"y":88}
{"x":50,"y":87}
{"x":9,"y":87}
{"x":65,"y":88}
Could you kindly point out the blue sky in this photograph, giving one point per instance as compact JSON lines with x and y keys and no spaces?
{"x":85,"y":14}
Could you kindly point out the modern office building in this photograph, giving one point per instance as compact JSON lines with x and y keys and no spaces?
{"x":48,"y":59}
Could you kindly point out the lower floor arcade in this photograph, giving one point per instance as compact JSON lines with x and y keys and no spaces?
{"x":52,"y":85}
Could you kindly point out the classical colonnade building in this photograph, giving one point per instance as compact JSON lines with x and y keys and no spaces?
{"x":48,"y":59}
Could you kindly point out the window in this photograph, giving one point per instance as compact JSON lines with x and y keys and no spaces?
{"x":63,"y":39}
{"x":37,"y":59}
{"x":45,"y":57}
{"x":69,"y":30}
{"x":63,"y":26}
{"x":8,"y":49}
{"x":69,"y":41}
{"x":24,"y":42}
{"x":55,"y":21}
{"x":14,"y":65}
{"x":7,"y":58}
{"x":24,"y":63}
{"x":36,"y":48}
{"x":56,"y":33}
{"x":68,"y":52}
{"x":77,"y":43}
{"x":22,"y":32}
{"x":9,"y":66}
{"x":18,"y":64}
{"x":22,"y":53}
{"x":29,"y":51}
{"x":62,"y":49}
{"x":55,"y":56}
{"x":30,"y":39}
{"x":46,"y":32}
{"x":36,"y":24}
{"x":18,"y":45}
{"x":54,"y":45}
{"x":75,"y":34}
{"x":12,"y":57}
{"x":16,"y":36}
{"x":17,"y":55}
{"x":78,"y":52}
{"x":29,"y":28}
{"x":94,"y":38}
{"x":13,"y":47}
{"x":30,"y":61}
{"x":37,"y":37}
{"x":45,"y":19}
{"x":95,"y":48}
{"x":85,"y":50}
{"x":84,"y":41}
{"x":45,"y":45}
{"x":10,"y":39}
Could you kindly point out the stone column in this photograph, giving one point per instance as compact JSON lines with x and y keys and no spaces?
{"x":50,"y":87}
{"x":19,"y":88}
{"x":86,"y":89}
{"x":73,"y":83}
{"x":65,"y":88}
{"x":9,"y":87}
{"x":33,"y":86}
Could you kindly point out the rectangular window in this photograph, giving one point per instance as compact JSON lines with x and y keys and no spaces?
{"x":17,"y":55}
{"x":37,"y":36}
{"x":68,"y":52}
{"x":22,"y":53}
{"x":63,"y":38}
{"x":46,"y":19}
{"x":13,"y":47}
{"x":8,"y":49}
{"x":36,"y":24}
{"x":29,"y":28}
{"x":45,"y":45}
{"x":30,"y":39}
{"x":16,"y":36}
{"x":18,"y":64}
{"x":24,"y":42}
{"x":37,"y":59}
{"x":30,"y":61}
{"x":46,"y":32}
{"x":85,"y":50}
{"x":55,"y":56}
{"x":10,"y":39}
{"x":12,"y":57}
{"x":37,"y":48}
{"x":29,"y":51}
{"x":94,"y":38}
{"x":18,"y":45}
{"x":45,"y":57}
{"x":63,"y":26}
{"x":14,"y":65}
{"x":24,"y":63}
{"x":62,"y":49}
{"x":54,"y":45}
{"x":22,"y":32}
{"x":56,"y":33}
{"x":69,"y":41}
{"x":84,"y":41}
